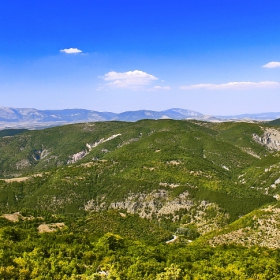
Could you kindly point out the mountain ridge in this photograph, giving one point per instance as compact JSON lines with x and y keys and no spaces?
{"x":33,"y":118}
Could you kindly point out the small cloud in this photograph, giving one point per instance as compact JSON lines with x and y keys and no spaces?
{"x":155,"y":88}
{"x":131,"y":79}
{"x":233,"y":85}
{"x":71,"y":51}
{"x":100,"y":88}
{"x":272,"y":64}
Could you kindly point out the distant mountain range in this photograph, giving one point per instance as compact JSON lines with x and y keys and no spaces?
{"x":33,"y":118}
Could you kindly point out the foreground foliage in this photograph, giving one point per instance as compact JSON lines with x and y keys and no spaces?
{"x":70,"y":254}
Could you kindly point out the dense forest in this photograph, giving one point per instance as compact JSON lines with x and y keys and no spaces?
{"x":81,"y":252}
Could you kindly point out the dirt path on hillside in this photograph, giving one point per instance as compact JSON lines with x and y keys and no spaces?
{"x":20,"y":179}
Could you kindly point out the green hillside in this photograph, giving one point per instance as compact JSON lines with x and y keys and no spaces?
{"x":118,"y":191}
{"x":38,"y":150}
{"x":201,"y":160}
{"x":275,"y":122}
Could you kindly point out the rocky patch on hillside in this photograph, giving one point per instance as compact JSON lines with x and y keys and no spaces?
{"x":270,"y":138}
{"x":17,"y":216}
{"x":50,"y":227}
{"x":159,"y":204}
{"x":263,"y":230}
{"x":74,"y":158}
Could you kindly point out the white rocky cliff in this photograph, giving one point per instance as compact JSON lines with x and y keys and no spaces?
{"x":270,"y":138}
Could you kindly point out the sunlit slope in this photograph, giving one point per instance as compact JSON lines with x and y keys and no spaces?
{"x":42,"y":149}
{"x":258,"y":228}
{"x":240,"y":134}
{"x":38,"y":150}
{"x":156,"y":169}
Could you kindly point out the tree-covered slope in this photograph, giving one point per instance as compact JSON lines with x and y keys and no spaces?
{"x":100,"y":201}
{"x":275,"y":122}
{"x":77,"y":253}
{"x":37,"y":150}
{"x":161,"y":169}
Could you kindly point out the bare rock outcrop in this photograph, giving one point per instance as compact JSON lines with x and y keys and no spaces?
{"x":77,"y":157}
{"x":161,"y":204}
{"x":22,"y":164}
{"x":270,"y":139}
{"x":50,"y":227}
{"x":74,"y":158}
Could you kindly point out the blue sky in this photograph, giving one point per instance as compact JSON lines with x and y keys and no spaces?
{"x":217,"y":57}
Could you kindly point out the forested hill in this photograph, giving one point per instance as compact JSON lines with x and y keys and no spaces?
{"x":275,"y":122}
{"x":80,"y":199}
{"x":183,"y":164}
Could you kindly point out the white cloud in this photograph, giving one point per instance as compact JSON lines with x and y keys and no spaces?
{"x":100,"y":88}
{"x":272,"y":64}
{"x":131,"y":79}
{"x":71,"y":51}
{"x":155,"y":88}
{"x":233,"y":85}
